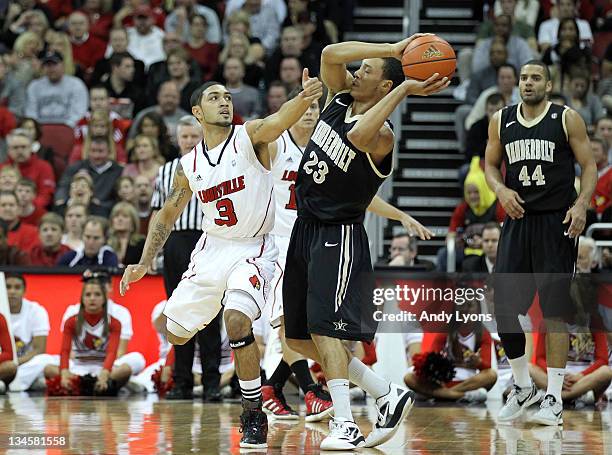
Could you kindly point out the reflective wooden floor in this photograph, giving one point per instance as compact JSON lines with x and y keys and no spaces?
{"x":139,"y":425}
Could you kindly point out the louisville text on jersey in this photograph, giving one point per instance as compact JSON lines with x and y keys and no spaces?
{"x":530,"y":149}
{"x":222,"y":189}
{"x":332,"y":144}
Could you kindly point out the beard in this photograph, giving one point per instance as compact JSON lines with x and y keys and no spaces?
{"x":536,"y":98}
{"x":223,"y":123}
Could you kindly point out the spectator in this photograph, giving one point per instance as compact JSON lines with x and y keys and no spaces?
{"x":602,"y":196}
{"x":144,"y":191}
{"x":124,"y":236}
{"x":145,"y":39}
{"x":276,"y":97}
{"x":74,"y":220}
{"x":94,"y":251}
{"x":178,"y":72}
{"x":519,"y":51}
{"x":486,"y":262}
{"x":50,"y":249}
{"x":547,"y":35}
{"x":100,"y":167}
{"x":28,"y":21}
{"x":145,"y":159}
{"x":118,"y":44}
{"x":604,"y":88}
{"x":239,"y":22}
{"x":125,"y":17}
{"x":25,"y":51}
{"x":56,"y":98}
{"x":30,"y":166}
{"x":126,"y":98}
{"x":582,"y":100}
{"x":179,"y":20}
{"x":9,"y":254}
{"x":238,"y":46}
{"x":126,"y":191}
{"x":23,"y":236}
{"x":526,"y":11}
{"x":34,"y":130}
{"x":403,"y":252}
{"x":279,"y":7}
{"x":205,"y":53}
{"x":28,"y":212}
{"x":507,"y":80}
{"x":168,"y":100}
{"x":487,"y":77}
{"x":60,"y":43}
{"x":317,"y":30}
{"x":603,"y":129}
{"x":87,"y":49}
{"x":7,"y":124}
{"x":586,"y":259}
{"x":291,"y":73}
{"x":519,"y":28}
{"x":100,"y":125}
{"x":9,"y":178}
{"x":246,"y":99}
{"x":291,"y":45}
{"x":12,"y":90}
{"x":153,"y":125}
{"x":100,"y":19}
{"x":264,"y":23}
{"x":82,"y":192}
{"x":478,"y":134}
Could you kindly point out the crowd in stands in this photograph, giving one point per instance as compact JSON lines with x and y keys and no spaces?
{"x":91,"y":92}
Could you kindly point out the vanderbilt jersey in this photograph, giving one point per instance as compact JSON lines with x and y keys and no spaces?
{"x":234,"y":188}
{"x":538,"y":157}
{"x":336,"y":182}
{"x":284,"y":172}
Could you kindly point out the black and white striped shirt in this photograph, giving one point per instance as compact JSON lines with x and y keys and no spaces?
{"x":191,"y":218}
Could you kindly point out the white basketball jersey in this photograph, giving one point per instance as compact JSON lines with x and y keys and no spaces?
{"x":234,"y":188}
{"x":284,"y":172}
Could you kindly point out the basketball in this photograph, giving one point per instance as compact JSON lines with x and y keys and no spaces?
{"x":427,"y":55}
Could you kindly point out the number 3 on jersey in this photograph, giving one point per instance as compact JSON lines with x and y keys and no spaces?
{"x":317,"y":175}
{"x":537,"y":176}
{"x":227,"y":213}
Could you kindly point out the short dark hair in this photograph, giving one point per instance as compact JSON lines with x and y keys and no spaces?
{"x":117,"y":58}
{"x":100,"y":140}
{"x":491,"y":225}
{"x":27,"y":182}
{"x":99,"y":87}
{"x":541,"y":64}
{"x":507,"y":65}
{"x":16,"y":275}
{"x":9,"y":193}
{"x":495,"y":98}
{"x":196,"y":96}
{"x":392,"y":70}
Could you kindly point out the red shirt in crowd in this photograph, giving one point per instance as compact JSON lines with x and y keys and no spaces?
{"x":7,"y":120}
{"x":6,"y":346}
{"x":463,"y":211}
{"x":207,"y":57}
{"x":44,"y":258}
{"x":602,"y":195}
{"x":34,"y":217}
{"x":41,"y":173}
{"x":88,"y":52}
{"x":99,"y":24}
{"x":23,"y":236}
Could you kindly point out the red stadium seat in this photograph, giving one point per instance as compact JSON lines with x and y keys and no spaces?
{"x":61,"y":139}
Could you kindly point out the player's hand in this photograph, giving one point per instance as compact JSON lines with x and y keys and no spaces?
{"x":577,"y":215}
{"x":415,"y":228}
{"x":312,"y":87}
{"x":65,"y":379}
{"x":511,"y":202}
{"x":427,"y":87}
{"x":131,"y":274}
{"x":398,"y":48}
{"x":102,"y":382}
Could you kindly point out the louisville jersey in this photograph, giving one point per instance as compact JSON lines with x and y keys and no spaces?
{"x":538,"y":157}
{"x":284,"y":172}
{"x":336,"y":182}
{"x":90,"y":344}
{"x":32,"y":321}
{"x":235,"y":190}
{"x":119,"y":312}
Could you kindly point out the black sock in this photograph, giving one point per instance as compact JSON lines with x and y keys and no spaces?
{"x":280,"y":375}
{"x":302,"y":373}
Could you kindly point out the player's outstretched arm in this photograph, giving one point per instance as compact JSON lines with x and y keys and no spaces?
{"x":370,"y":135}
{"x":264,"y":131}
{"x":159,"y":228}
{"x":382,"y":208}
{"x":509,"y":199}
{"x":335,"y":57}
{"x":581,"y":146}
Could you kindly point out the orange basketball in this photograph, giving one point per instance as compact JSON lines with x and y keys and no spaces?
{"x":427,"y":55}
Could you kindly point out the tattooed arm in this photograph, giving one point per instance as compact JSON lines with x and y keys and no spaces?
{"x":159,"y":228}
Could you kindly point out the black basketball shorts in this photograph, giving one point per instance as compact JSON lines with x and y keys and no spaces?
{"x":329,"y":283}
{"x":534,"y":254}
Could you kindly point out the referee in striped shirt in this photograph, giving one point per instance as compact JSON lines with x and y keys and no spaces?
{"x":177,"y":251}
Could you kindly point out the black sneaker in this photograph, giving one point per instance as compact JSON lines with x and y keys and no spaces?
{"x":254,"y":429}
{"x":212,"y":395}
{"x":179,"y":392}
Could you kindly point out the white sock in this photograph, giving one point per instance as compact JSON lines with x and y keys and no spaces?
{"x":520,"y":371}
{"x":555,"y":382}
{"x":251,"y":390}
{"x":339,"y":391}
{"x":364,"y":377}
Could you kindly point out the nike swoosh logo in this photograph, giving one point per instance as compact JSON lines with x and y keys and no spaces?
{"x":510,"y":123}
{"x":340,"y":103}
{"x":327,"y":244}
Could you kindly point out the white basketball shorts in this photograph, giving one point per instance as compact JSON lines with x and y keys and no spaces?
{"x":276,"y":297}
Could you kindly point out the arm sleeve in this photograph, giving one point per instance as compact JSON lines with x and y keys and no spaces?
{"x":113,"y":343}
{"x":6,"y":346}
{"x":601,"y":353}
{"x":67,"y":335}
{"x":485,"y":351}
{"x":458,"y":217}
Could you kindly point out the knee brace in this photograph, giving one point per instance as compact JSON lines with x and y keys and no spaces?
{"x":242,"y":342}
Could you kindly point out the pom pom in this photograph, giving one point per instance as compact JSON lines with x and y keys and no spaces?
{"x":162,"y":388}
{"x":55,"y":389}
{"x":433,"y":367}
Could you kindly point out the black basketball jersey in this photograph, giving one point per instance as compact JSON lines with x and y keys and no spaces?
{"x":538,"y":157}
{"x":336,"y":182}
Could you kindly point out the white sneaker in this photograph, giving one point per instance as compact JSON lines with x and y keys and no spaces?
{"x":198,"y":391}
{"x":550,"y":413}
{"x":588,"y":398}
{"x":2,"y":388}
{"x":518,"y":400}
{"x":391,"y":408}
{"x":343,"y":435}
{"x":475,"y":396}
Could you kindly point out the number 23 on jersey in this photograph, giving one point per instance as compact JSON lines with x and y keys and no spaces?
{"x":318,"y":169}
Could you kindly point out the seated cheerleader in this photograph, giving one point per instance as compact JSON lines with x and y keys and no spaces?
{"x":93,"y":335}
{"x":468,"y":346}
{"x":8,"y":368}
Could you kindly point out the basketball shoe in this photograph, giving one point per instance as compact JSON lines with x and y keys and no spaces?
{"x":274,"y":403}
{"x":550,"y":413}
{"x":318,"y":403}
{"x":391,"y":408}
{"x":254,"y":429}
{"x":343,"y":435}
{"x":518,"y":400}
